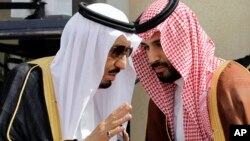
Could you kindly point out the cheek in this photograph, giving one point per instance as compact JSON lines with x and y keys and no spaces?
{"x":108,"y":65}
{"x":164,"y":57}
{"x":161,"y":52}
{"x":148,"y":54}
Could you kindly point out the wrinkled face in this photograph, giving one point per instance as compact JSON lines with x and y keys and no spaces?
{"x":158,"y":60}
{"x":116,"y":60}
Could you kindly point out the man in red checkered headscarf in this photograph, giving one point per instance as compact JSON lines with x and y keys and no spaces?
{"x":193,"y":94}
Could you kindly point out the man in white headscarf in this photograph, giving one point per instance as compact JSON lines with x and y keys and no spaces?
{"x":194,"y":95}
{"x":78,"y":94}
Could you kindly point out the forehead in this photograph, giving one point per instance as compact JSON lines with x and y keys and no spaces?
{"x":122,"y":40}
{"x":153,"y":38}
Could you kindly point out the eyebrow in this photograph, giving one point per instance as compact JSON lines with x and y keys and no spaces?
{"x":143,"y":44}
{"x":119,"y":45}
{"x":154,"y":42}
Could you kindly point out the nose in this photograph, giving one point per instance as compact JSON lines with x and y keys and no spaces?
{"x":121,"y":62}
{"x":153,"y":55}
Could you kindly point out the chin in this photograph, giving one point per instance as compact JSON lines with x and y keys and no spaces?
{"x":105,"y":85}
{"x":169,"y":79}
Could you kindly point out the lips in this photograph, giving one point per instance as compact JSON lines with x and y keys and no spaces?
{"x":111,"y":76}
{"x":159,"y":69}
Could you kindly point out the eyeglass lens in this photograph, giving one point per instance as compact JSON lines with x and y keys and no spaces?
{"x":120,"y":51}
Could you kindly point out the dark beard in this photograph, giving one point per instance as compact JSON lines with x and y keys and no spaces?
{"x":168,"y":79}
{"x":173,"y":74}
{"x":105,"y":85}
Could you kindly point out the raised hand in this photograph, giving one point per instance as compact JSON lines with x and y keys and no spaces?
{"x":111,"y":126}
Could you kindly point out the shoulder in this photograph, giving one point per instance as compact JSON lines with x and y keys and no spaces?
{"x":16,"y":77}
{"x":234,"y":76}
{"x":14,"y":83}
{"x":20,"y":71}
{"x":234,"y":72}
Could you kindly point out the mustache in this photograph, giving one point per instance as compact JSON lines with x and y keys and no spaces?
{"x":159,"y":63}
{"x":115,"y":70}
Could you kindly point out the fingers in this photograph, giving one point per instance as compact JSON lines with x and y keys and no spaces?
{"x":121,"y":133}
{"x":113,"y":124}
{"x":120,"y":121}
{"x":121,"y":111}
{"x":116,"y":131}
{"x":119,"y":116}
{"x":125,"y":136}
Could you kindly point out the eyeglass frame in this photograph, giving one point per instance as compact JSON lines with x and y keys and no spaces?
{"x":127,"y":51}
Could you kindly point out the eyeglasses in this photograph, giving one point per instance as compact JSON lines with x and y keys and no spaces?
{"x":119,"y":51}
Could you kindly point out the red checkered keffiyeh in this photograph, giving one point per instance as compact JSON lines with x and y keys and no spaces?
{"x":191,"y":52}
